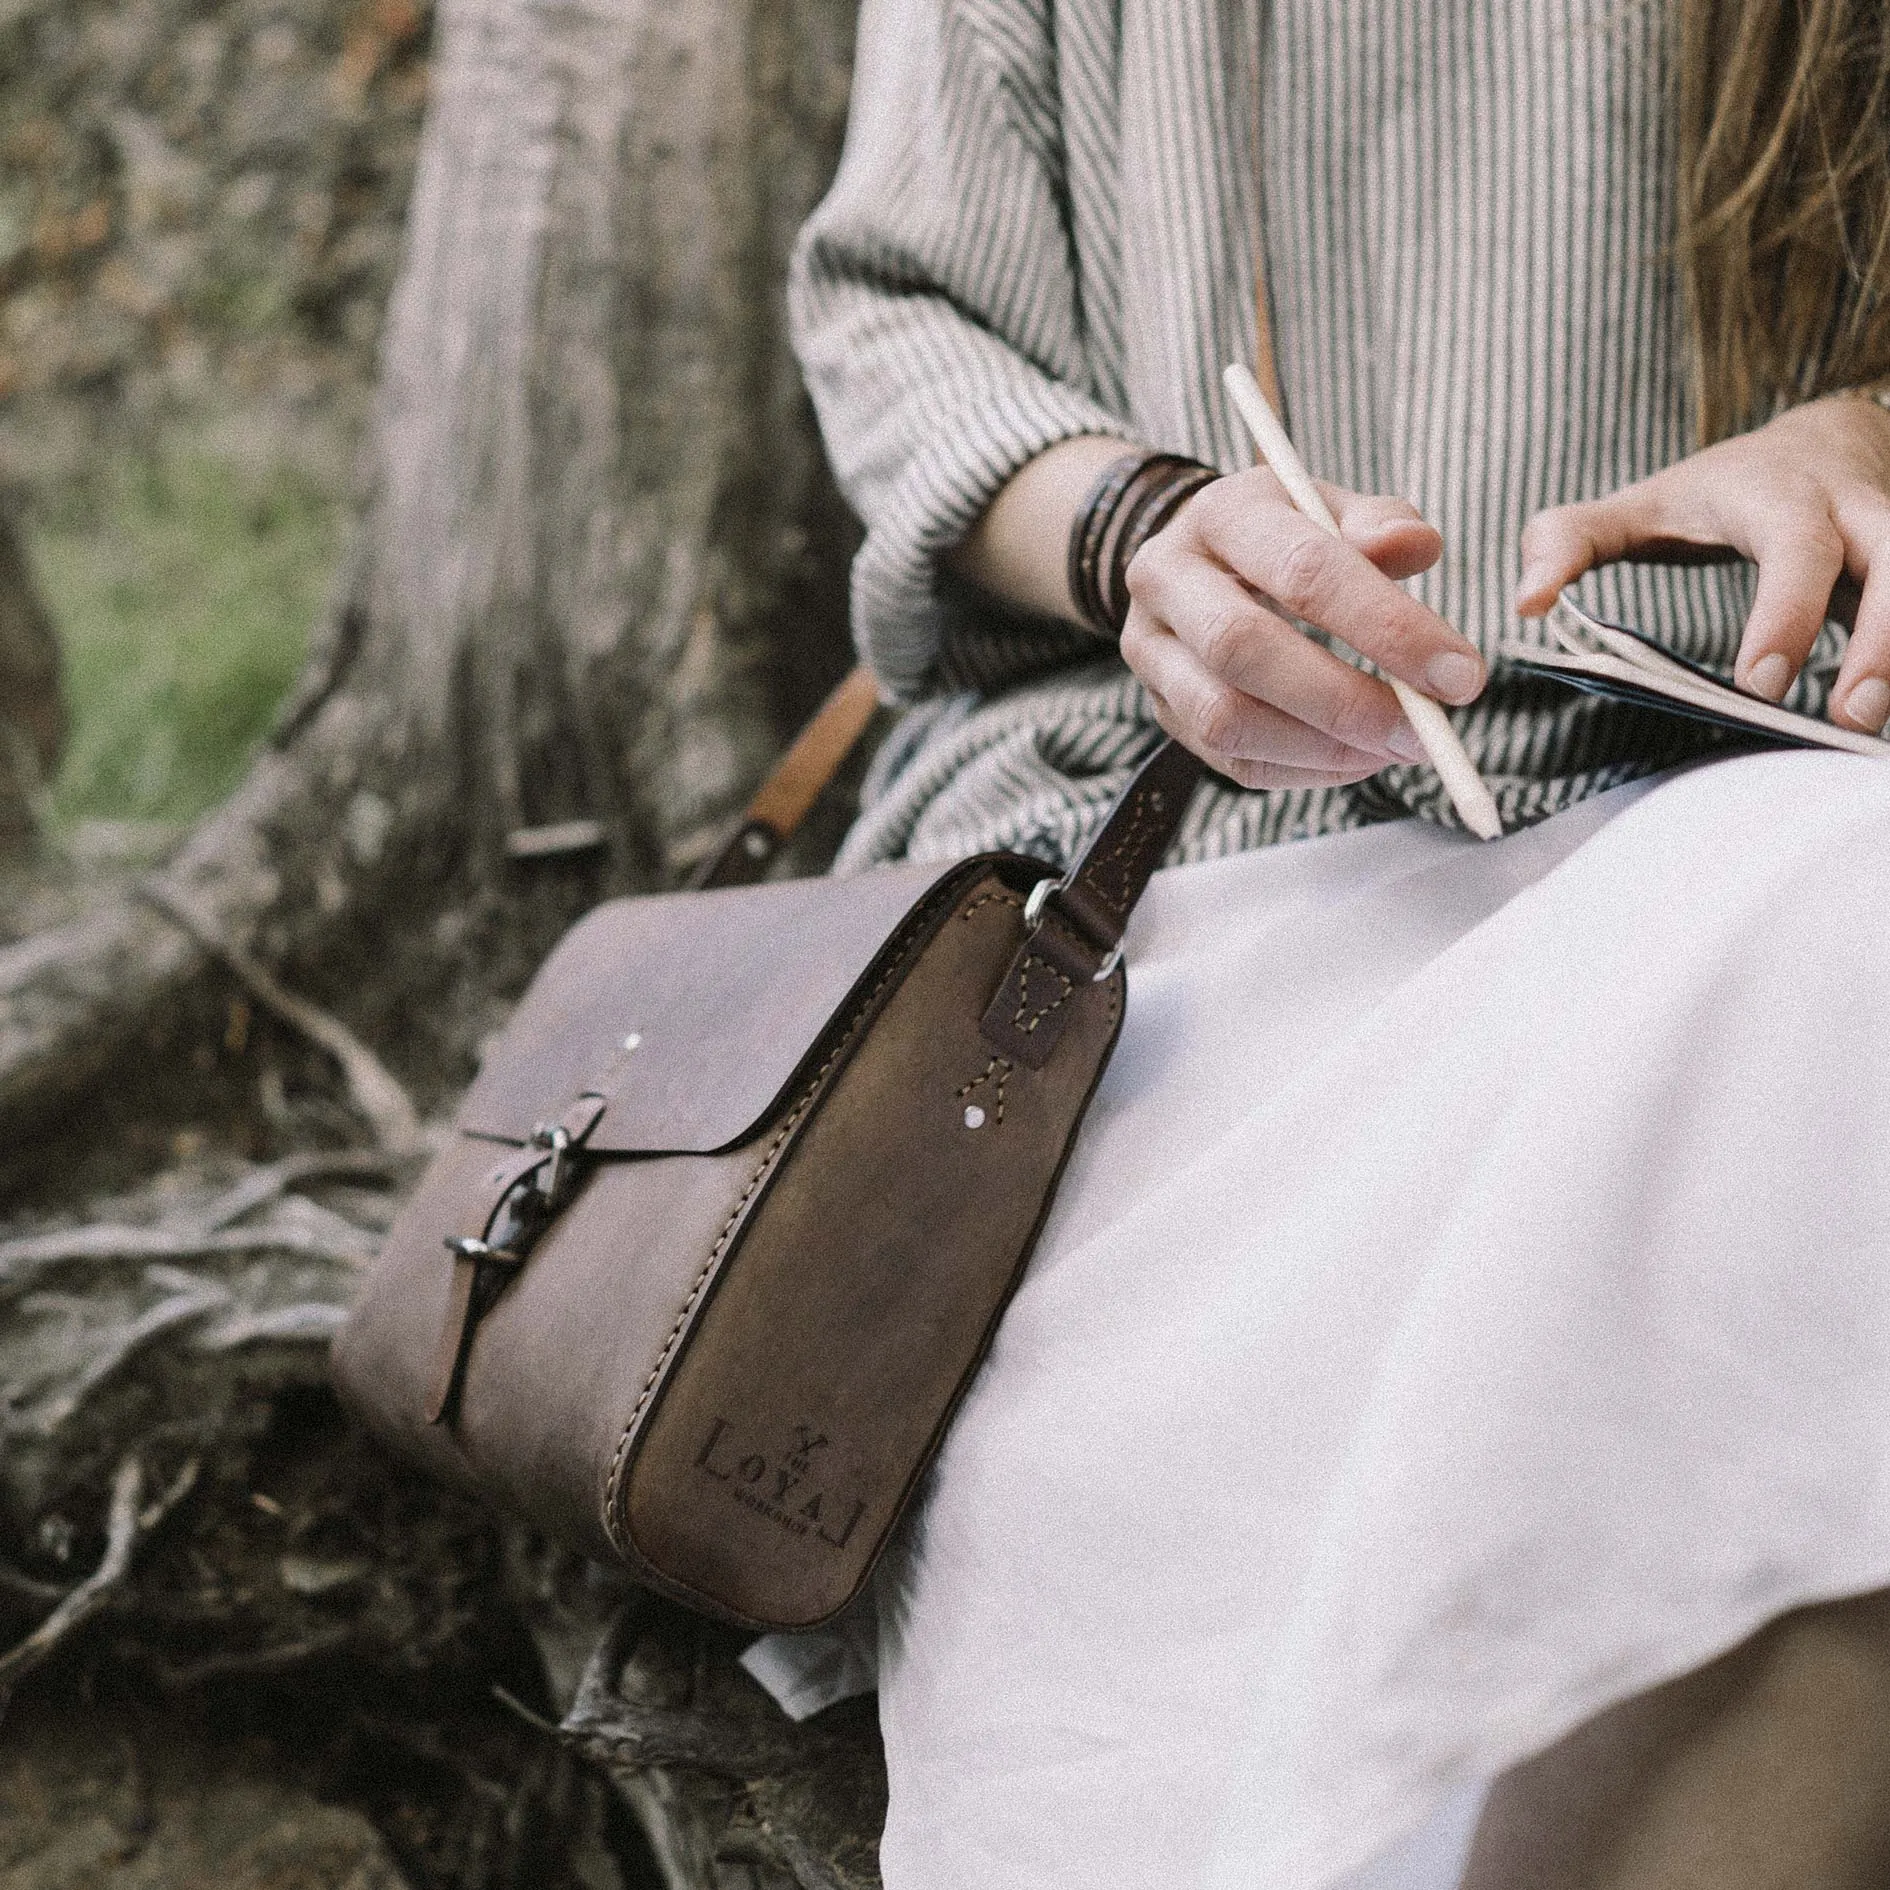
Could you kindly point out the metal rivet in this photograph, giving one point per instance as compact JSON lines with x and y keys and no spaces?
{"x":974,"y":1117}
{"x":631,"y":1041}
{"x":754,"y":845}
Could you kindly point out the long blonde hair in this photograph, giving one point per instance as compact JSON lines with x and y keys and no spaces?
{"x":1784,"y":153}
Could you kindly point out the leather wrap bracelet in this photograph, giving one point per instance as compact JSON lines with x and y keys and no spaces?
{"x":1133,"y":499}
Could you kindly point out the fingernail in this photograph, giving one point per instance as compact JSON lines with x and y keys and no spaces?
{"x":1454,"y":676}
{"x":1869,"y":704}
{"x":1771,"y":676}
{"x":1403,"y":742}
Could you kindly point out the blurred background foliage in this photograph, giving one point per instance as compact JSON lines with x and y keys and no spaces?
{"x":200,"y":220}
{"x":182,"y":594}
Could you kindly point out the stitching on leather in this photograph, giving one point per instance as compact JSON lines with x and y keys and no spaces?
{"x":1003,"y":1067}
{"x":993,"y":898}
{"x":1115,"y":857}
{"x":1023,"y":993}
{"x":1121,"y":856}
{"x":613,"y":1481}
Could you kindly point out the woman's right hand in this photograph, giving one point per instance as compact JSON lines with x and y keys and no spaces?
{"x":1211,"y":633}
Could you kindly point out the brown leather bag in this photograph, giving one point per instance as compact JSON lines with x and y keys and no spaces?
{"x":730,"y":1215}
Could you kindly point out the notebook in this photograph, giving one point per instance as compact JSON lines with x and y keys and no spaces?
{"x":1608,"y":659}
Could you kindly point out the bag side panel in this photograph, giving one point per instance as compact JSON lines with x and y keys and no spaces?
{"x":865,"y":1288}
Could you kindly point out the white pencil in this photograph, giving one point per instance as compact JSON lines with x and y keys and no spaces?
{"x":1462,"y":783}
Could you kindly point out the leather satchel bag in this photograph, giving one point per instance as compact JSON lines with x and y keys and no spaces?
{"x":728,"y":1219}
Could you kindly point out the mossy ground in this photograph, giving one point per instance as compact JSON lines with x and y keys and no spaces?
{"x":183,"y":590}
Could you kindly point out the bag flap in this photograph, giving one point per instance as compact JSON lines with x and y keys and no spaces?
{"x":724,"y":992}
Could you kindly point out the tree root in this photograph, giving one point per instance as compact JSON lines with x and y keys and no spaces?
{"x":310,"y":1232}
{"x":23,"y":1261}
{"x":378,"y":1095}
{"x":127,"y":1524}
{"x":120,"y":1005}
{"x":246,"y":1663}
{"x":715,"y":1769}
{"x":295,"y":1171}
{"x":74,"y":1000}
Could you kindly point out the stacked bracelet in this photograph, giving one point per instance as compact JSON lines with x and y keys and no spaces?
{"x":1135,"y":497}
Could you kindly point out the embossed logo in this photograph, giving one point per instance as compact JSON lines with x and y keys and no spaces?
{"x":782,"y":1483}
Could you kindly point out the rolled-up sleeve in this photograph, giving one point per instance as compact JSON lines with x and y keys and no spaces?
{"x":935,"y":306}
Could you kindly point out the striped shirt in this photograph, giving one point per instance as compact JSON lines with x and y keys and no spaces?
{"x":1045,"y":224}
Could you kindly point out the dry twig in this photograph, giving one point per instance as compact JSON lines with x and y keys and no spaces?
{"x":49,"y":1418}
{"x":126,"y":1523}
{"x":310,"y":1323}
{"x":242,"y":1663}
{"x":295,"y":1171}
{"x":23,"y":1261}
{"x":376,"y":1091}
{"x":513,"y":1704}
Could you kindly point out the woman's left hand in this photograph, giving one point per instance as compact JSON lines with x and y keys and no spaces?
{"x":1806,"y":497}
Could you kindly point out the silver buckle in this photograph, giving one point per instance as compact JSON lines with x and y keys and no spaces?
{"x":1033,"y":914}
{"x":479,"y":1252}
{"x":556,"y":1137}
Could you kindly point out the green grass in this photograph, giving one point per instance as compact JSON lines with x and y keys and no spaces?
{"x":183,"y":592}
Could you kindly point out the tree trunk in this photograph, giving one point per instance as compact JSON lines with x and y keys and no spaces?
{"x":600,"y":573}
{"x":32,"y":707}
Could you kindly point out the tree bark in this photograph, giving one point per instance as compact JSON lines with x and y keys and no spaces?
{"x":716,"y":1773}
{"x":32,"y":705}
{"x":600,"y":572}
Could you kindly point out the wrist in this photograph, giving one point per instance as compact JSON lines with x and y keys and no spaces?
{"x":1015,"y":549}
{"x":1133,"y":498}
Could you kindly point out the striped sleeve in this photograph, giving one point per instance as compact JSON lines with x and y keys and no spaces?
{"x":934,"y":306}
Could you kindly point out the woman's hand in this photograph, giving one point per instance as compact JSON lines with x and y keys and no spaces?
{"x":1236,"y":681}
{"x":1806,"y":497}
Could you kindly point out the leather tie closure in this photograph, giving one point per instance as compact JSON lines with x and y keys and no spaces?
{"x":505,"y":1220}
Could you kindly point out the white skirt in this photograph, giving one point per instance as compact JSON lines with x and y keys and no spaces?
{"x":1468,"y":1305}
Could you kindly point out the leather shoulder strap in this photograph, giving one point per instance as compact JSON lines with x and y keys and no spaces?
{"x":793,"y":785}
{"x":1076,"y":922}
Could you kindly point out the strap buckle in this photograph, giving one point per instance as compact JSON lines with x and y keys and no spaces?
{"x":1040,"y":895}
{"x":466,"y":1247}
{"x":554,"y":1176}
